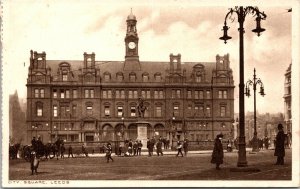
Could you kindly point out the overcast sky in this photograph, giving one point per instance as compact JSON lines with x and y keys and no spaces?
{"x":65,"y":31}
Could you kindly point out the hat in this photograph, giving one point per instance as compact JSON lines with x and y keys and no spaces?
{"x":280,"y":126}
{"x":220,"y":135}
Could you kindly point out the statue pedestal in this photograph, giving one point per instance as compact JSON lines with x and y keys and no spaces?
{"x":142,"y":132}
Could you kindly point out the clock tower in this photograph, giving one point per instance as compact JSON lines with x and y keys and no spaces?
{"x":131,"y":45}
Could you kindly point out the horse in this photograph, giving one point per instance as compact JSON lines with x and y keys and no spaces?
{"x":13,"y":151}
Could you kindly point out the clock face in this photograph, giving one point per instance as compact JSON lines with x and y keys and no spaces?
{"x":131,"y":45}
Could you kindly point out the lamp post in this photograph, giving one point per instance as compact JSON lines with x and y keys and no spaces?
{"x":122,"y":133}
{"x":254,"y":82}
{"x":241,"y":13}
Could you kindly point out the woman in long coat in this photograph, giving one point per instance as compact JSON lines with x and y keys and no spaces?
{"x":279,"y":145}
{"x":218,"y":154}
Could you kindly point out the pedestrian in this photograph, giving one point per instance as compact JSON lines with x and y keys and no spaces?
{"x":266,"y":142}
{"x":120,"y":149}
{"x":34,"y":162}
{"x":185,"y":146}
{"x":84,"y":151}
{"x":148,"y":147}
{"x":70,"y":151}
{"x":140,"y":145}
{"x":218,"y":154}
{"x":62,"y":150}
{"x":109,"y":152}
{"x":279,"y":146}
{"x":135,"y":148}
{"x":33,"y":144}
{"x":179,"y":149}
{"x":130,"y":145}
{"x":159,"y":148}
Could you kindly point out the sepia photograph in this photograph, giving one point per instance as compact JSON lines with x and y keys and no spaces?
{"x":150,"y":94}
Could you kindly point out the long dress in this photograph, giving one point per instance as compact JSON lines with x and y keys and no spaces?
{"x":218,"y":154}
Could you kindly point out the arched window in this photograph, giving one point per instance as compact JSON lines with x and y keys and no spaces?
{"x":157,"y":77}
{"x":120,"y":76}
{"x":145,"y":77}
{"x":107,"y":76}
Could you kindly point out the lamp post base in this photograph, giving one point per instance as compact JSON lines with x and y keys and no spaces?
{"x":242,"y":160}
{"x":255,"y":147}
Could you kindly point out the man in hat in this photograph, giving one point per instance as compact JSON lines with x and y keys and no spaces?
{"x":218,"y":154}
{"x":279,"y":146}
{"x":179,"y":149}
{"x":109,"y":152}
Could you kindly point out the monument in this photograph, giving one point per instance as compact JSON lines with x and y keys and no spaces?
{"x":141,"y":123}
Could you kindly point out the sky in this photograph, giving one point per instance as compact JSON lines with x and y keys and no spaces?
{"x":66,"y":30}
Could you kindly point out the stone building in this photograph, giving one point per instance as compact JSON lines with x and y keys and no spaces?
{"x":88,"y":100}
{"x":288,"y":100}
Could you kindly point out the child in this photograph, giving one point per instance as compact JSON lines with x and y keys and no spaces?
{"x":34,"y":162}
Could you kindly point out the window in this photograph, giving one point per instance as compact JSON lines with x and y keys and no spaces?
{"x":223,"y":111}
{"x":132,"y":77}
{"x":145,"y":78}
{"x":120,"y":111}
{"x":120,"y":77}
{"x":146,"y":94}
{"x":198,"y":79}
{"x":156,"y":94}
{"x":135,"y":94}
{"x":130,"y":94}
{"x":86,"y":93}
{"x":189,"y":94}
{"x":208,"y":94}
{"x":54,"y":93}
{"x":122,"y":94}
{"x":65,"y":111}
{"x":74,"y":93}
{"x":118,"y":95}
{"x":158,"y":112}
{"x":92,"y":93}
{"x":89,"y":93}
{"x":196,"y":94}
{"x":106,"y":77}
{"x":55,"y":113}
{"x":42,"y":93}
{"x":65,"y":77}
{"x":89,"y":109}
{"x":157,"y":77}
{"x":201,"y":94}
{"x":74,"y":108}
{"x":208,"y":113}
{"x":39,"y":109}
{"x":67,"y":93}
{"x":176,"y":93}
{"x":62,"y":93}
{"x":132,"y":111}
{"x":161,"y":94}
{"x":106,"y":111}
{"x":223,"y":94}
{"x":36,"y":93}
{"x":176,"y":110}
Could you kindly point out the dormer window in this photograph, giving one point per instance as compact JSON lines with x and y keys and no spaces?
{"x":132,"y":77}
{"x":145,"y":77}
{"x":65,"y":76}
{"x":107,"y":76}
{"x":120,"y":76}
{"x":198,"y":77}
{"x":157,"y":77}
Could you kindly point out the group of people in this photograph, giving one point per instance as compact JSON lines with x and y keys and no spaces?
{"x":218,"y":154}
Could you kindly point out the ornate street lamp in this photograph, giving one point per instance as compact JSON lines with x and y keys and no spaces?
{"x":241,"y":13}
{"x":254,"y":82}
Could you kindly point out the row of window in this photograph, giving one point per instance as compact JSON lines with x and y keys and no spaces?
{"x":67,"y":111}
{"x":132,"y":94}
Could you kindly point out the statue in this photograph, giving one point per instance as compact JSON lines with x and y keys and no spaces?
{"x":141,"y":108}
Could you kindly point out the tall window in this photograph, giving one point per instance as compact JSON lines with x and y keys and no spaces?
{"x":176,"y":110}
{"x":122,"y":94}
{"x":107,"y":110}
{"x":65,"y":111}
{"x":132,"y":111}
{"x":158,"y":112}
{"x":201,"y":94}
{"x":92,"y":93}
{"x":145,"y":78}
{"x":120,"y":77}
{"x":67,"y":93}
{"x":89,"y":109}
{"x":54,"y":93}
{"x":196,"y":94}
{"x":156,"y":94}
{"x":62,"y":93}
{"x":223,"y":94}
{"x":74,"y":110}
{"x":55,"y":113}
{"x":223,"y":111}
{"x":42,"y":93}
{"x":39,"y":109}
{"x":208,"y":113}
{"x":135,"y":94}
{"x":36,"y":93}
{"x":74,"y":93}
{"x":176,"y":93}
{"x":130,"y":94}
{"x":120,"y":111}
{"x":146,"y":94}
{"x":65,"y":76}
{"x":118,"y":94}
{"x":189,"y":94}
{"x":157,"y":77}
{"x":198,"y":79}
{"x":106,"y":77}
{"x":208,"y":95}
{"x":161,"y":94}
